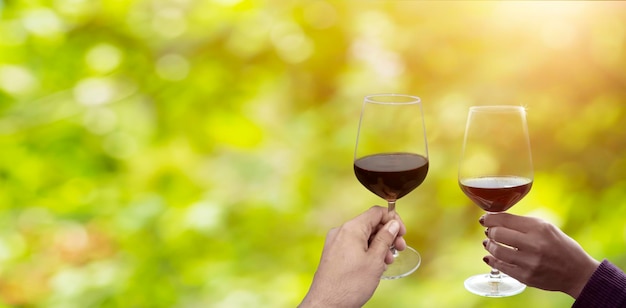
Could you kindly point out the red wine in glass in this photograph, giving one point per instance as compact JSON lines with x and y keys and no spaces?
{"x":391,"y":175}
{"x":496,"y":193}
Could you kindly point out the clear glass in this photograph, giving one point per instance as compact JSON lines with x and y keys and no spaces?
{"x":391,"y":159}
{"x":495,"y":172}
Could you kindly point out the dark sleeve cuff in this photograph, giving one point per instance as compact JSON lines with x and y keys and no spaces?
{"x":606,"y":288}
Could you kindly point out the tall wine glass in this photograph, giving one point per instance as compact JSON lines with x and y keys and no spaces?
{"x":495,"y":172}
{"x":391,"y":159}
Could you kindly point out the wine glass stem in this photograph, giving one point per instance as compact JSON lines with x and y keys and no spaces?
{"x":391,"y":208}
{"x":495,"y":274}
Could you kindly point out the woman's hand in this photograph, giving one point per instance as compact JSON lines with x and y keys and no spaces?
{"x":536,"y":253}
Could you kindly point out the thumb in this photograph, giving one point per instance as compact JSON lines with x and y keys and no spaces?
{"x":385,"y":237}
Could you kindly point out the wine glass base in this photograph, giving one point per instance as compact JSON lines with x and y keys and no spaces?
{"x":404,"y":263}
{"x":489,"y":286}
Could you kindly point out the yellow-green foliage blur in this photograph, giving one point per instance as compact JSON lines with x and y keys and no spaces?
{"x":188,"y":153}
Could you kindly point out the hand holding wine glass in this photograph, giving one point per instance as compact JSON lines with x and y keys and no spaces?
{"x":348,"y":275}
{"x":495,"y":172}
{"x":391,"y":159}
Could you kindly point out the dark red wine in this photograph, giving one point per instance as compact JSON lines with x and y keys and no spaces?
{"x":496,"y":193}
{"x":391,"y":175}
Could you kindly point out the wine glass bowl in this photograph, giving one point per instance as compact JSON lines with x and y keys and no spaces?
{"x":496,"y":193}
{"x":391,"y":159}
{"x":495,"y":173}
{"x":391,"y":176}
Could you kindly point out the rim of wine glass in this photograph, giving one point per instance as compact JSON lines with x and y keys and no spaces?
{"x":497,"y":108}
{"x":410,"y":99}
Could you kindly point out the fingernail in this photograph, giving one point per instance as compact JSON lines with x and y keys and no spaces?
{"x":481,"y":220}
{"x":394,"y":226}
{"x":485,"y":243}
{"x":486,"y":260}
{"x":487,"y":232}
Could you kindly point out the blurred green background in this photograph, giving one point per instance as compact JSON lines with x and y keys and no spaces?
{"x":187,"y":153}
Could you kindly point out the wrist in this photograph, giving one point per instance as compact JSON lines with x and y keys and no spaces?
{"x":315,"y":302}
{"x":585,"y":274}
{"x":329,"y":299}
{"x":309,"y":303}
{"x":317,"y":298}
{"x":312,"y":299}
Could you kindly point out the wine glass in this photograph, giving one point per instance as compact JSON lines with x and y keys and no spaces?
{"x":495,"y":172}
{"x":391,"y":159}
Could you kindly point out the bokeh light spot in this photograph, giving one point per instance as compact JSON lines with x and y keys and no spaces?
{"x":204,"y":216}
{"x":104,"y":58}
{"x":94,"y":91}
{"x":292,"y":45}
{"x":169,"y":22}
{"x":42,"y":22}
{"x":100,"y":120}
{"x":17,"y":80}
{"x":172,"y":67}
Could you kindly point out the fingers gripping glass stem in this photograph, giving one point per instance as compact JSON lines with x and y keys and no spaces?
{"x":391,"y":210}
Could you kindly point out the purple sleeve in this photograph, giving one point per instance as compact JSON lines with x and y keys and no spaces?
{"x":606,"y":288}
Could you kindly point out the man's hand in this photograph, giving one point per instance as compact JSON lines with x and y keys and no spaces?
{"x":354,"y":257}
